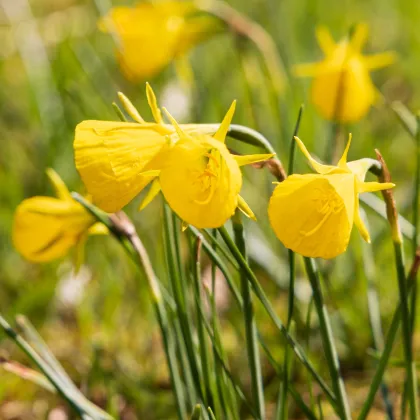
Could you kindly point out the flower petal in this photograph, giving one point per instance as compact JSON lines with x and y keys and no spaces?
{"x":242,"y":160}
{"x":152,"y":101}
{"x":245,"y":209}
{"x":151,"y":194}
{"x":360,"y":225}
{"x":224,"y":126}
{"x":377,"y":61}
{"x":325,"y":40}
{"x":60,"y":188}
{"x":342,"y":163}
{"x":363,"y":187}
{"x":318,"y":167}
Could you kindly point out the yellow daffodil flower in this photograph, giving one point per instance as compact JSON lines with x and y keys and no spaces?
{"x":200,"y":179}
{"x":116,"y":160}
{"x":342,"y":89}
{"x":45,"y":228}
{"x":151,"y":35}
{"x":313,"y":214}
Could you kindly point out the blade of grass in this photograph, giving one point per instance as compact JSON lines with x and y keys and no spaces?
{"x":250,"y":325}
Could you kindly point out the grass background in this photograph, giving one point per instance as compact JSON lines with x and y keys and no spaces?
{"x":57,"y":69}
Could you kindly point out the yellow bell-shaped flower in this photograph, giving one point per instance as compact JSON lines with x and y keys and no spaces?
{"x":45,"y":228}
{"x":313,"y":214}
{"x":342,"y":89}
{"x":200,"y":179}
{"x":150,"y":35}
{"x":116,"y":160}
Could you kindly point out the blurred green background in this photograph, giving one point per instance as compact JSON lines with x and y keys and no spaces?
{"x":57,"y":69}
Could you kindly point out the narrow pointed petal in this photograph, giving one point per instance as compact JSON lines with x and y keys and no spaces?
{"x":60,"y":188}
{"x":151,"y":194}
{"x":360,"y":167}
{"x":248,"y":159}
{"x":318,"y":167}
{"x":130,"y":108}
{"x":360,"y":225}
{"x":152,"y":101}
{"x":325,"y":40}
{"x":342,"y":163}
{"x":245,"y":209}
{"x":308,"y":70}
{"x":378,"y":61}
{"x":98,"y":229}
{"x":359,"y":38}
{"x":363,"y":187}
{"x":224,"y":126}
{"x":177,"y":127}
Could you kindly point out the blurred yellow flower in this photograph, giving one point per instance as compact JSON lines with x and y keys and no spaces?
{"x":313,"y":214}
{"x":45,"y":228}
{"x":116,"y":160}
{"x":151,"y":35}
{"x":342,"y":89}
{"x":201,"y":180}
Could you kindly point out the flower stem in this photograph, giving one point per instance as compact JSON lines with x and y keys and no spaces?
{"x":328,"y":340}
{"x":250,"y":326}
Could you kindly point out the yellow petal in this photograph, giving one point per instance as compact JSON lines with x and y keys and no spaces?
{"x":181,"y":133}
{"x":98,"y":229}
{"x":310,"y":216}
{"x":114,"y":158}
{"x":363,"y":187}
{"x":360,"y":167}
{"x":318,"y":167}
{"x":151,"y":194}
{"x":342,"y":163}
{"x":152,"y":101}
{"x":224,"y":126}
{"x":130,"y":108}
{"x":45,"y":228}
{"x":245,"y":209}
{"x":359,"y":37}
{"x":325,"y":40}
{"x":377,"y":61}
{"x":60,"y":188}
{"x":242,"y":160}
{"x":360,"y":225}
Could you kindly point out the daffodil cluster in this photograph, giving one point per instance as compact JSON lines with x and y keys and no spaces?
{"x":198,"y":176}
{"x":342,"y":89}
{"x":313,"y":214}
{"x":150,"y":36}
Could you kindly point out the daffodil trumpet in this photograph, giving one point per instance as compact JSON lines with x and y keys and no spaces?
{"x":45,"y":228}
{"x":342,"y":89}
{"x":313,"y":214}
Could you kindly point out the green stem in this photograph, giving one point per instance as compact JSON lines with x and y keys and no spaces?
{"x":205,"y":361}
{"x":328,"y":340}
{"x":297,"y":349}
{"x":406,"y":331}
{"x":415,"y":211}
{"x":250,"y":326}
